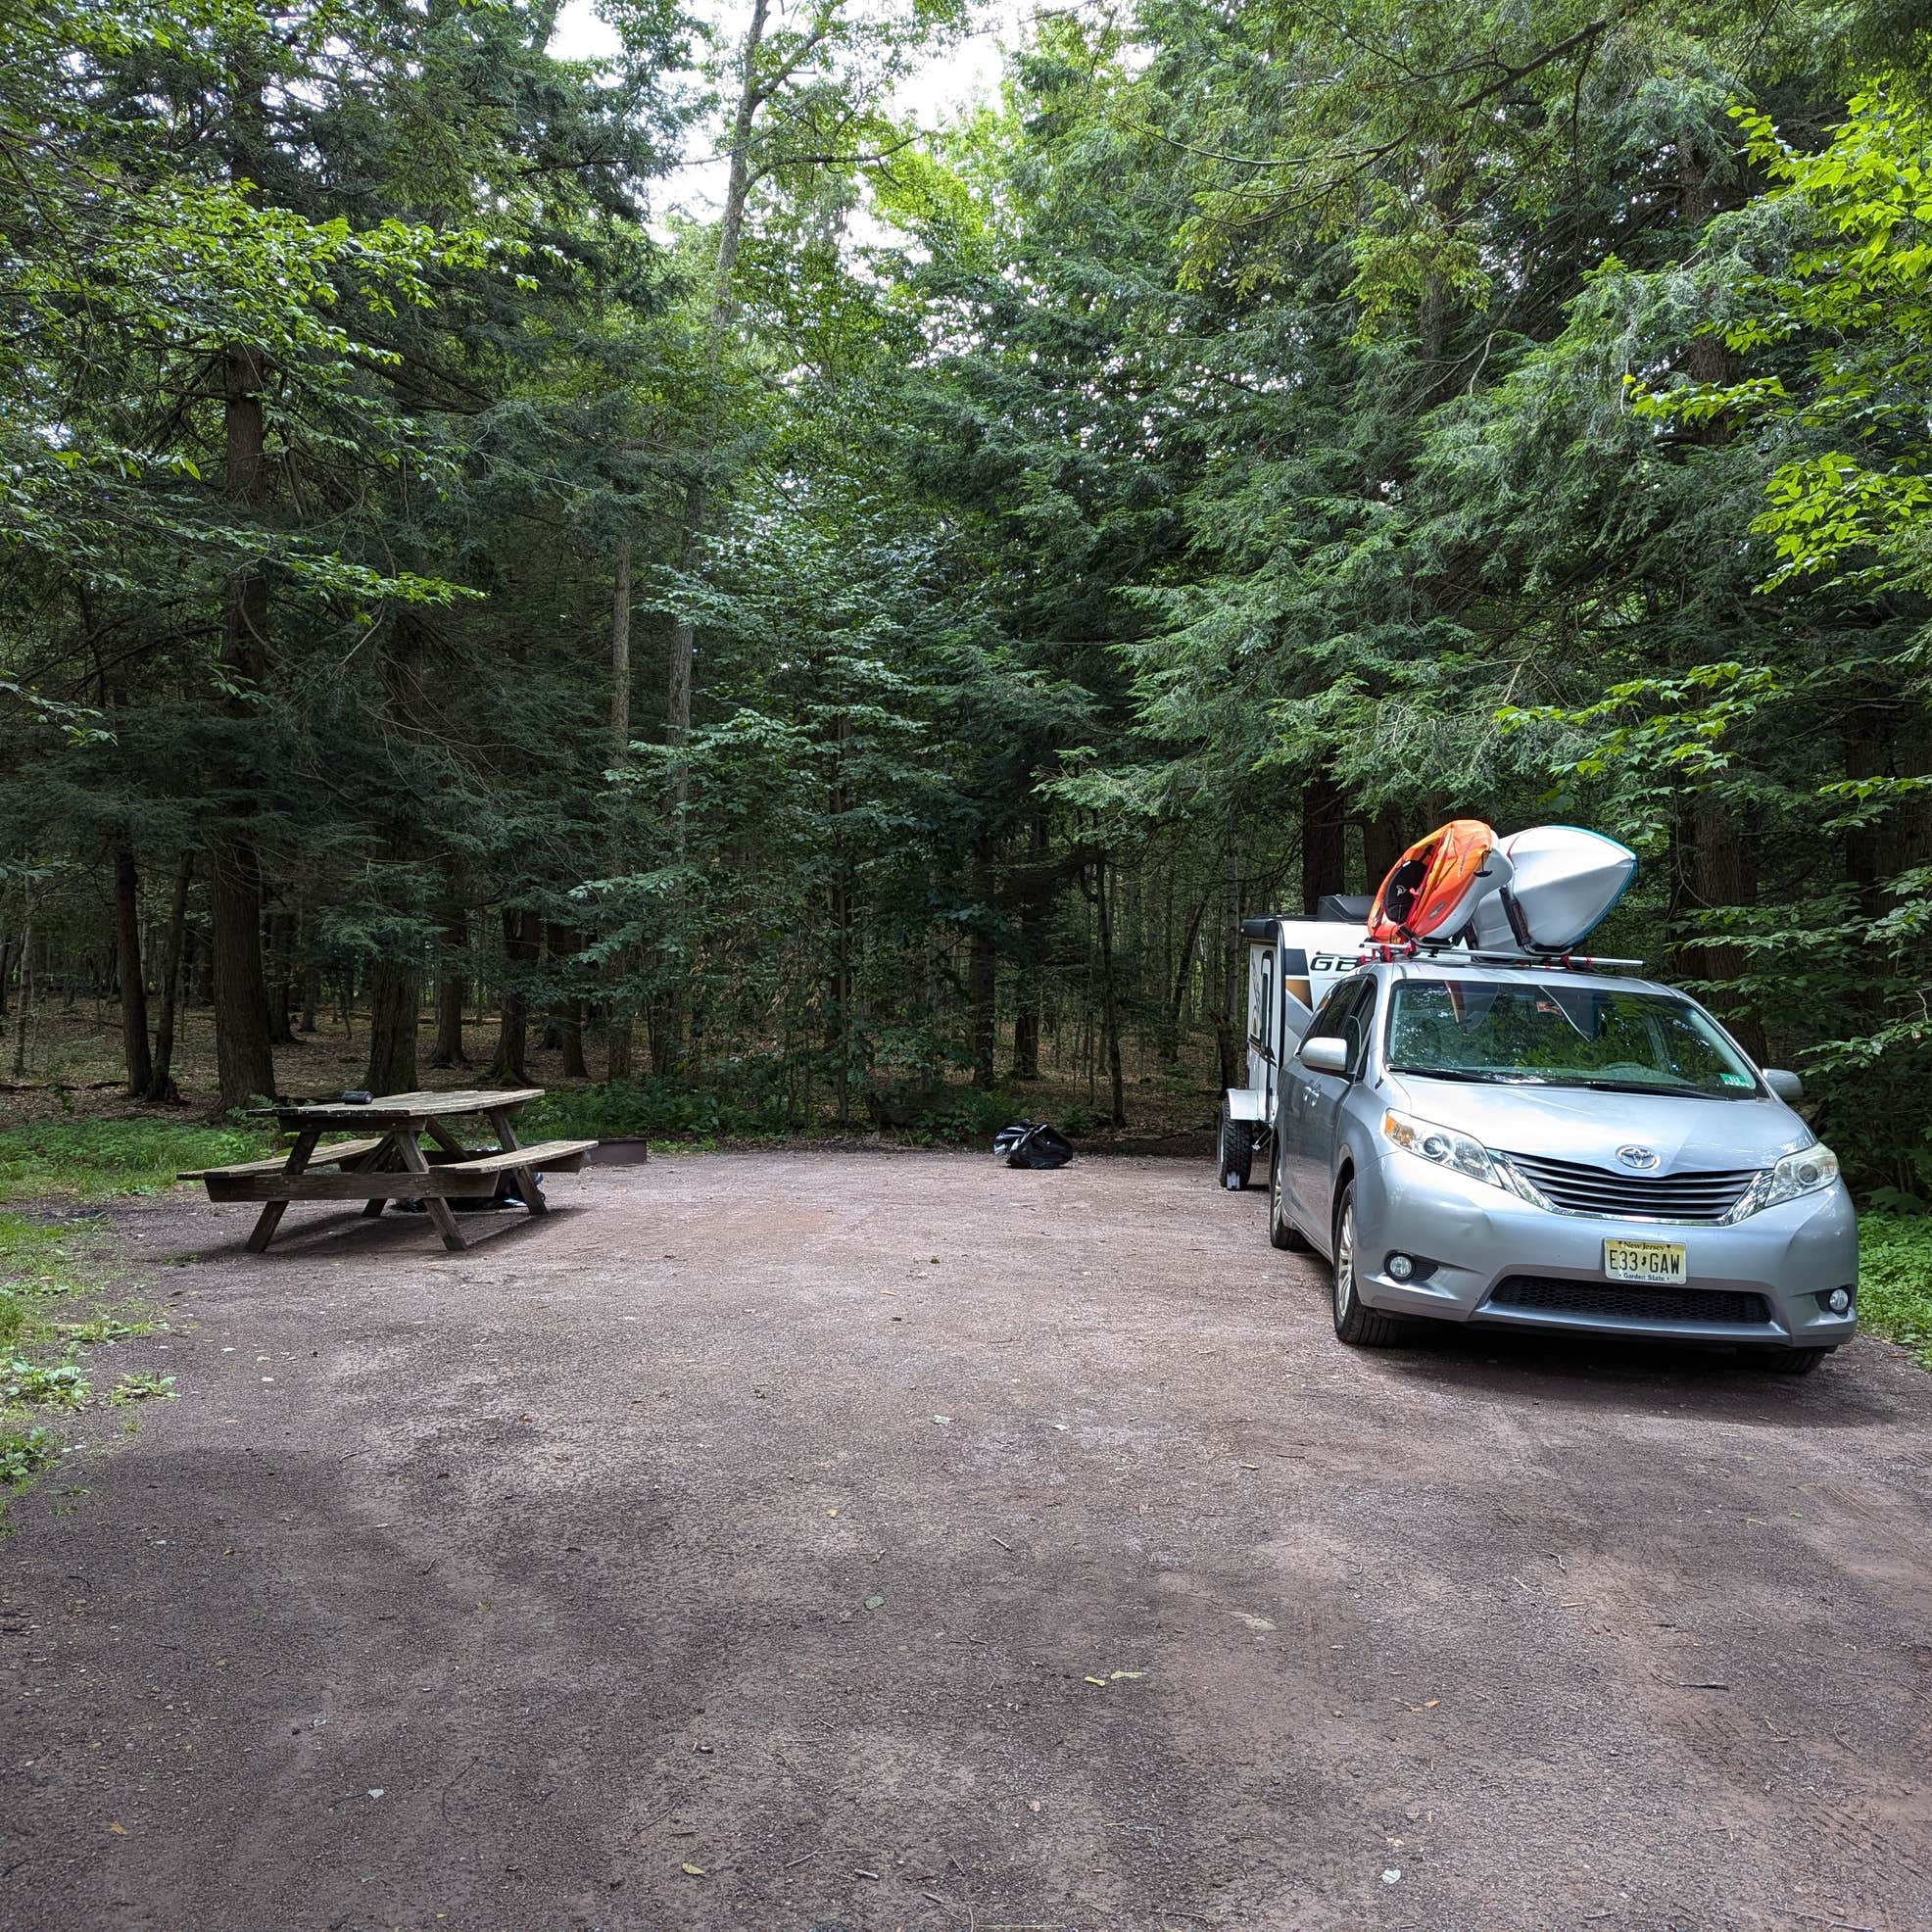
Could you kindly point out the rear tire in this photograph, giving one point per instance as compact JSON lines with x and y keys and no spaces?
{"x":1795,"y":1361}
{"x":1235,"y":1149}
{"x":1282,"y":1232}
{"x":1359,"y":1325}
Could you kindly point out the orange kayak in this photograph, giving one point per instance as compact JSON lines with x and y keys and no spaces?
{"x":1432,"y":889}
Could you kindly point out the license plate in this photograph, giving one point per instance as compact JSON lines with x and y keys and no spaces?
{"x":1644,"y":1261}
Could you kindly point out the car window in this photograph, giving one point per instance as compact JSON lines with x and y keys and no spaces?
{"x":1620,"y":1039}
{"x":1331,"y":1016}
{"x":1356,"y":1028}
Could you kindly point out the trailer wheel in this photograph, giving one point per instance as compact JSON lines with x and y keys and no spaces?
{"x":1282,"y":1232}
{"x":1234,"y":1150}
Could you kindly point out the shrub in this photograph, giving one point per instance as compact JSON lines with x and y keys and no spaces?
{"x":1895,"y":1280}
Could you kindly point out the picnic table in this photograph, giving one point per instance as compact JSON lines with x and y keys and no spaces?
{"x":388,"y":1163}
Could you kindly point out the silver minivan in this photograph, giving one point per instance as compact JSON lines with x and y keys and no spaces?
{"x":1530,"y":1147}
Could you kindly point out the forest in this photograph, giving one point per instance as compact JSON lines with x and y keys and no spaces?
{"x":874,"y":637}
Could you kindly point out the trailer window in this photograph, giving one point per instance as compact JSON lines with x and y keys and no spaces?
{"x":1263,"y":1038}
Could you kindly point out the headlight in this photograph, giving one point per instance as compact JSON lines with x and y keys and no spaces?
{"x":1441,"y":1145}
{"x":1810,"y":1171}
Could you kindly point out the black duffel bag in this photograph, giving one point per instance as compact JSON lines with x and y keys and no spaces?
{"x":1033,"y":1143}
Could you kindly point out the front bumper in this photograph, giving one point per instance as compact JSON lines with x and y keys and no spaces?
{"x":1481,"y":1240}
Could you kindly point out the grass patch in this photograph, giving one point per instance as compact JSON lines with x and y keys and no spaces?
{"x":42,"y":1264}
{"x":1894,"y":1281}
{"x":47,"y":1271}
{"x":96,"y":1159}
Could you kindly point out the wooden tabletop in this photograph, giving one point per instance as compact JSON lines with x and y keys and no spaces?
{"x":397,"y":1109}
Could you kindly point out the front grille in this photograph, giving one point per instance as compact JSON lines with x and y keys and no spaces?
{"x":1612,"y":1302}
{"x":1705,"y":1195}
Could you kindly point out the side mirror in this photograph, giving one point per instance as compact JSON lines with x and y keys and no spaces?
{"x":1786,"y":1085}
{"x":1325,"y":1055}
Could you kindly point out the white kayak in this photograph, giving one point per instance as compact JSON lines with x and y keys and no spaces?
{"x":1563,"y":882}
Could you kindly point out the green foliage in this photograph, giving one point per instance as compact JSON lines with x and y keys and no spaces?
{"x":1850,"y":286}
{"x":43,"y":1385}
{"x":142,"y":1387}
{"x":96,"y":1159}
{"x":744,"y":1100}
{"x":50,"y":1266}
{"x":1894,"y":1281}
{"x":967,"y":1115}
{"x":24,"y":1454}
{"x":39,"y":1262}
{"x":1157,"y":496}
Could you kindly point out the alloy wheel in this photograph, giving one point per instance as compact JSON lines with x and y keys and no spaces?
{"x":1345,"y":1263}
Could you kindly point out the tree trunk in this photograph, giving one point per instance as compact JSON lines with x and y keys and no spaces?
{"x":161,"y":1076}
{"x":451,"y":979}
{"x":395,"y":995}
{"x":1035,"y":899}
{"x":618,"y":1015}
{"x":198,"y":969}
{"x":1110,"y":1000}
{"x":520,"y":946}
{"x":1176,"y":999}
{"x":1721,"y":877}
{"x":281,"y":980}
{"x":731,"y":233}
{"x":24,"y":1016}
{"x":567,"y":1013}
{"x":1322,"y":856}
{"x":132,"y":971}
{"x":1382,"y":843}
{"x":981,"y":978}
{"x":1025,"y":1023}
{"x":982,"y":985}
{"x":667,"y":1035}
{"x":246,"y":1067}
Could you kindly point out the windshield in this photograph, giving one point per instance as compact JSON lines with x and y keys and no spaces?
{"x":1532,"y":1032}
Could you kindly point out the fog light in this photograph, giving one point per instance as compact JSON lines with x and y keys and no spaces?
{"x":1401,"y":1267}
{"x":1839,"y":1301}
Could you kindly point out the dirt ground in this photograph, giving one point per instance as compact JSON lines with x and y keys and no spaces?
{"x":810,"y":1540}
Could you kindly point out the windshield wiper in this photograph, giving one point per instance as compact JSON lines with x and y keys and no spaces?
{"x":1488,"y":1076}
{"x":1644,"y":1086}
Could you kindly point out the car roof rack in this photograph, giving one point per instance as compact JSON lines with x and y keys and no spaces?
{"x":1438,"y":955}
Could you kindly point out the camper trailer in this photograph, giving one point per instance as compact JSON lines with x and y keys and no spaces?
{"x":1291,"y":965}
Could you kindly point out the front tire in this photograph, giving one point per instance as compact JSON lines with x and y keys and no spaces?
{"x":1235,"y":1149}
{"x":1795,"y":1361}
{"x":1282,"y":1232}
{"x":1356,"y":1324}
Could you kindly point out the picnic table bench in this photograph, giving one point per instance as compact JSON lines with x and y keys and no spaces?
{"x":390,"y":1163}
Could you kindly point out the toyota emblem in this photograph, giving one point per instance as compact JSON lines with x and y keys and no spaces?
{"x":1642,"y":1157}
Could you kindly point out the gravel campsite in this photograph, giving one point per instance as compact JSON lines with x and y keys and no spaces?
{"x":879,"y":1540}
